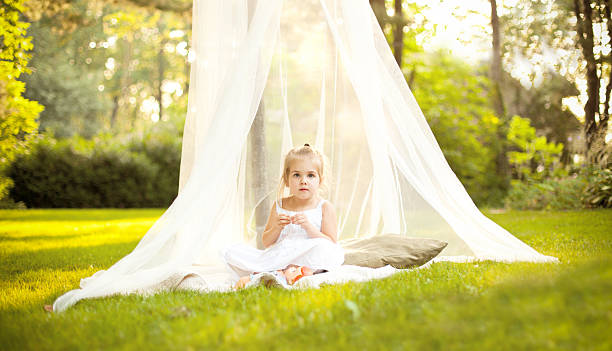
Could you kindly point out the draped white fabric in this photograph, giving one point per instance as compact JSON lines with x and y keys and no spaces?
{"x":326,"y":76}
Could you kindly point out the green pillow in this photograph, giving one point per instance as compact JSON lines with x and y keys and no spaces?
{"x":390,"y":249}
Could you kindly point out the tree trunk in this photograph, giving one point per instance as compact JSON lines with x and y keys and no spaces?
{"x":258,"y":164}
{"x":187,"y":75}
{"x":398,"y":33}
{"x":113,"y":118}
{"x":496,"y":64}
{"x":259,"y":177}
{"x":411,"y":77}
{"x":496,"y":74}
{"x":584,"y":26}
{"x":378,"y":6}
{"x":606,"y":112}
{"x":160,"y":66}
{"x":124,"y":83}
{"x":160,"y":73}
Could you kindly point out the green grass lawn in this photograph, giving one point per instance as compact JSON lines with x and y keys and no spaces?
{"x":471,"y":306}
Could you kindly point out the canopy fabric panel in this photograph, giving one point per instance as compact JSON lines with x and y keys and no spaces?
{"x":270,"y":74}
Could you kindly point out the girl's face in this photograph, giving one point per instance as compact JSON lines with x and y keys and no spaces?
{"x":304,"y":180}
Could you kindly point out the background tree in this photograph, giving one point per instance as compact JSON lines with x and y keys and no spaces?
{"x":67,"y":73}
{"x":121,"y":67}
{"x":592,"y":14}
{"x":380,"y":10}
{"x":398,"y":31}
{"x":98,"y":67}
{"x":497,"y":82}
{"x":463,"y":122}
{"x":564,"y":40}
{"x":455,"y":97}
{"x":496,"y":63}
{"x":533,"y":157}
{"x":17,"y":114}
{"x":182,"y":7}
{"x":543,"y":105}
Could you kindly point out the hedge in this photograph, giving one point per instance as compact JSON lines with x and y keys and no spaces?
{"x":82,"y":174}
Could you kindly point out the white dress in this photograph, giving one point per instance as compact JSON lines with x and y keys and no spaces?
{"x":293,"y":246}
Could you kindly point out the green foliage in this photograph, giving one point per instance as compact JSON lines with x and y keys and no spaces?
{"x":98,"y":63}
{"x":453,"y":98}
{"x":164,"y":151}
{"x":68,"y":71}
{"x":15,"y":44}
{"x":589,"y":187}
{"x":97,"y":173}
{"x":467,"y":306}
{"x":548,"y":194}
{"x":540,"y":180}
{"x":17,"y":114}
{"x":543,"y":106}
{"x":72,"y":101}
{"x":599,"y":191}
{"x":533,"y":29}
{"x":534,"y":157}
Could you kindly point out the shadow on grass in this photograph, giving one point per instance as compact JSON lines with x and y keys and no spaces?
{"x":12,"y":238}
{"x":80,"y":215}
{"x":64,"y":258}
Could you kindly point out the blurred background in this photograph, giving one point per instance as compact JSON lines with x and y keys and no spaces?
{"x":93,"y":96}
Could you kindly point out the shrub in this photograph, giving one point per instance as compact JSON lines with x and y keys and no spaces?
{"x":599,"y":191}
{"x":9,"y":204}
{"x":548,"y":194}
{"x":589,"y":187}
{"x":532,"y":157}
{"x":165,"y":152}
{"x":96,"y":173}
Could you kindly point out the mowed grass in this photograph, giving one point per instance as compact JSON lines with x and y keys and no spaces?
{"x":469,"y":306}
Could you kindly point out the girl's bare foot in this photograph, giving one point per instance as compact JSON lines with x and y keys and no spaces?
{"x":293,"y":273}
{"x":242,"y":282}
{"x":48,"y":308}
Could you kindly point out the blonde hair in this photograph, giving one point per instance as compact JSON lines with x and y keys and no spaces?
{"x":304,"y":152}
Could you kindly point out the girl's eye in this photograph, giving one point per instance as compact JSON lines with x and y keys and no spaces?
{"x":296,"y":175}
{"x":311,"y":175}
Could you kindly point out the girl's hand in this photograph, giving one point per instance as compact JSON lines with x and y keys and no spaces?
{"x":283,"y":220}
{"x":301,"y":220}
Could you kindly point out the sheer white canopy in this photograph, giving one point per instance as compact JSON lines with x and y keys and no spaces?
{"x":268,"y":74}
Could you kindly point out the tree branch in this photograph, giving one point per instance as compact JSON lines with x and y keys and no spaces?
{"x":178,"y":6}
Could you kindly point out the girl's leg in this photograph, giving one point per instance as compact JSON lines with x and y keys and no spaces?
{"x":242,"y":282}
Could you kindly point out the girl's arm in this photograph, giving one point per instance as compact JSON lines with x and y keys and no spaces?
{"x":329,"y":223}
{"x":274,"y":227}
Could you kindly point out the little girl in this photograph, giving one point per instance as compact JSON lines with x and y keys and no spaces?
{"x":301,"y":228}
